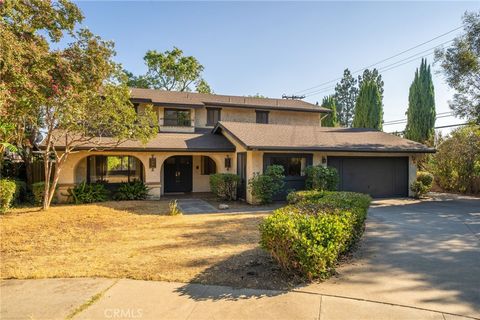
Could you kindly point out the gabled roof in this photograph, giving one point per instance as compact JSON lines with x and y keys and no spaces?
{"x":255,"y":136}
{"x":193,"y":99}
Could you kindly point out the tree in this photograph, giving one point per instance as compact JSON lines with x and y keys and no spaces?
{"x":172,"y":71}
{"x":23,"y":51}
{"x":456,"y":164}
{"x":79,"y":94}
{"x":421,"y":107}
{"x":368,"y":108}
{"x":331,"y":119}
{"x":345,"y":95}
{"x":371,"y":75}
{"x":460,"y":64}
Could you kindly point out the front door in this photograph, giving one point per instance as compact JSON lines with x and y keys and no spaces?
{"x":178,"y":174}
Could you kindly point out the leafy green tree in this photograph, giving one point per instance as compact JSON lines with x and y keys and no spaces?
{"x":368,"y":108}
{"x":421,"y":106}
{"x":346,"y":92}
{"x":79,"y":94}
{"x":172,"y":71}
{"x":372,"y":75}
{"x":456,"y":164}
{"x":331,"y":119}
{"x":460,"y":65}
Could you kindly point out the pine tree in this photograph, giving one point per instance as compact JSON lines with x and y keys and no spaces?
{"x":368,"y":108}
{"x":330,"y":120}
{"x":421,"y":106}
{"x":346,"y":93}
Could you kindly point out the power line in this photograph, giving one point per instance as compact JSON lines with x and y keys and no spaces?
{"x":389,"y":67}
{"x":389,"y":123}
{"x":440,"y":127}
{"x":383,"y":60}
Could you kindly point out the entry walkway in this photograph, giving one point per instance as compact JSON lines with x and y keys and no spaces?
{"x":135,"y":299}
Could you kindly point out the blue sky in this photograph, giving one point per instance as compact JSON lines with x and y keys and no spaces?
{"x":273,"y":48}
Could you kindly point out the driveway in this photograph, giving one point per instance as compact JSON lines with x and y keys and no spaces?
{"x":424,"y":254}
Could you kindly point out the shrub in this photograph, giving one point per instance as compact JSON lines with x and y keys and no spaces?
{"x":309,"y":236}
{"x":174,"y":210}
{"x":20,"y":192}
{"x":456,"y":164}
{"x":224,"y":185}
{"x":88,"y":193}
{"x":422,"y":185}
{"x":136,"y":190}
{"x":265,"y":186}
{"x":7,"y":192}
{"x":38,"y":190}
{"x":321,"y":178}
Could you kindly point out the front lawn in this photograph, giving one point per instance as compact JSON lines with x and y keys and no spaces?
{"x":134,"y":240}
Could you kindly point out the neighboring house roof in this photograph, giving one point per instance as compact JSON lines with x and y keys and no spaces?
{"x":192,"y":99}
{"x":255,"y":136}
{"x":200,"y":140}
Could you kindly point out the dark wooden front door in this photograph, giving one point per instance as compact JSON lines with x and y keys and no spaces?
{"x":177,"y":172}
{"x":242,"y":172}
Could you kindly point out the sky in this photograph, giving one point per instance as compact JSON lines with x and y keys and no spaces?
{"x":275,"y":48}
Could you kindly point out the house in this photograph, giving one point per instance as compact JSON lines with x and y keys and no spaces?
{"x":201,"y":134}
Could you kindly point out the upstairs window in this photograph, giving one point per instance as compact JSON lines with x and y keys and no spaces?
{"x":208,"y":166}
{"x":213,"y":116}
{"x":262,"y":116}
{"x":177,"y":118}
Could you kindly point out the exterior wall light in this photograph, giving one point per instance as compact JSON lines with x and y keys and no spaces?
{"x":228,"y":162}
{"x":324,"y":159}
{"x":152,"y":162}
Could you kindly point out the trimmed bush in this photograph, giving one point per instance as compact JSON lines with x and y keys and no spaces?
{"x":422,"y":185}
{"x":88,"y":193}
{"x":136,"y":190}
{"x":265,"y":186}
{"x":38,"y":190}
{"x":224,"y":185}
{"x":321,"y":178}
{"x":20,"y":192}
{"x":309,"y":236}
{"x":7,"y":192}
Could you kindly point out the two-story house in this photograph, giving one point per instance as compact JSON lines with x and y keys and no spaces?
{"x":202,"y":134}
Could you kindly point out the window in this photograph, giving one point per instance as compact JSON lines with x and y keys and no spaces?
{"x":177,"y":118}
{"x":114,"y":169}
{"x":262,"y":116}
{"x":293,"y":165}
{"x":213,"y":116}
{"x":208,"y":166}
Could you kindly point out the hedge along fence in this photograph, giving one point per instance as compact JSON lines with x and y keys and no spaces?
{"x":309,"y":235}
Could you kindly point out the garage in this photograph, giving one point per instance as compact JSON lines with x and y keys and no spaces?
{"x":380,"y":177}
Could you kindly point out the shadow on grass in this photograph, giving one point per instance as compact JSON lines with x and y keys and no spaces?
{"x":252,"y":273}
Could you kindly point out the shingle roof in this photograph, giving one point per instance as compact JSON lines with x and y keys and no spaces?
{"x":203,"y":99}
{"x":200,"y":140}
{"x":291,"y":137}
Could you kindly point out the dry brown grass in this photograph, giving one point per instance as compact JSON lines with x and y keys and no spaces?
{"x":133,"y":240}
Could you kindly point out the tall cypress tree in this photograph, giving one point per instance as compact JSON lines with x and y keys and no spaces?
{"x":330,"y":120}
{"x":368,"y":108}
{"x":421,"y":106}
{"x":345,"y":95}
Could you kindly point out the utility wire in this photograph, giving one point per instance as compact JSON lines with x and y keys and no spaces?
{"x":440,"y":127}
{"x":404,"y":121}
{"x":383,"y":60}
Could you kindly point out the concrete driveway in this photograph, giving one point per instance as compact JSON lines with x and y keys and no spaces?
{"x":424,"y":254}
{"x":418,"y":260}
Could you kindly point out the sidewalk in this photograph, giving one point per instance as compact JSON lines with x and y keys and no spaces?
{"x":134,"y":299}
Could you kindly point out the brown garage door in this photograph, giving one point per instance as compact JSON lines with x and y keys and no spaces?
{"x":377,"y":176}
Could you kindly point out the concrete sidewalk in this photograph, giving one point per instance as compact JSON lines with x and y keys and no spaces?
{"x":134,"y":299}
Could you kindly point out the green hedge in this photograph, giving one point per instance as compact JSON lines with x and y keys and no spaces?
{"x":422,"y":185}
{"x":265,"y":186}
{"x":7,"y":193}
{"x":308,"y":236}
{"x":224,"y":185}
{"x":88,"y":193}
{"x":321,"y":178}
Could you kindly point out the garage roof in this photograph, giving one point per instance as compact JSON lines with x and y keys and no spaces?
{"x":315,"y":138}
